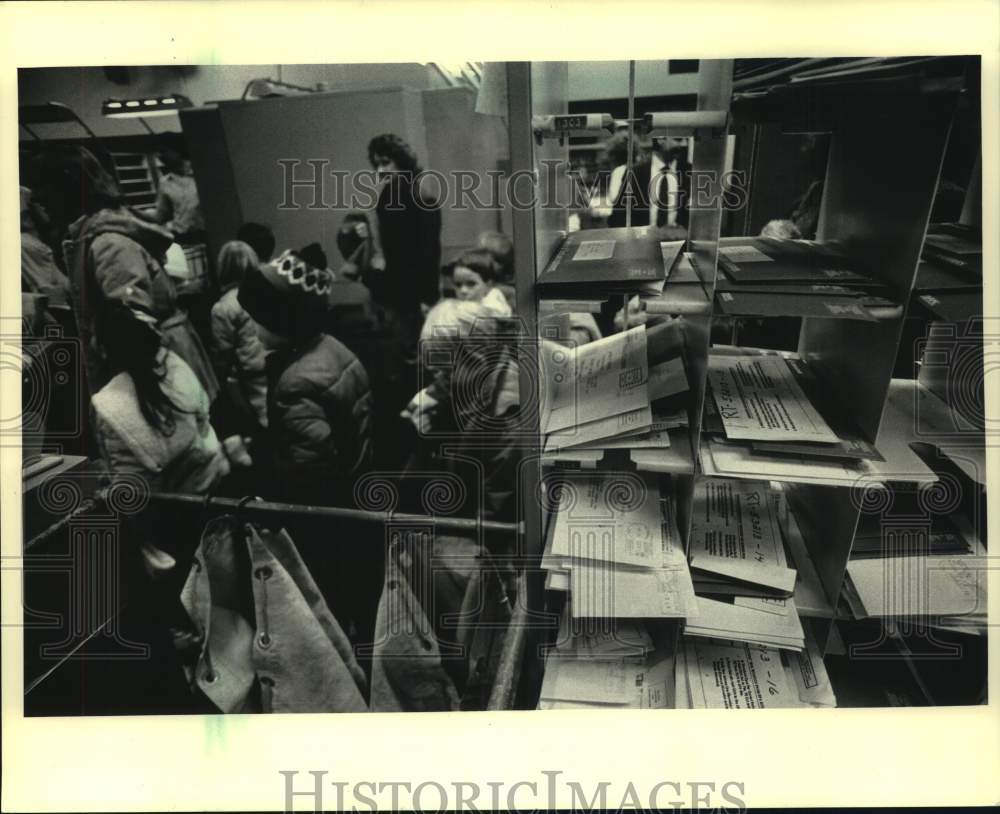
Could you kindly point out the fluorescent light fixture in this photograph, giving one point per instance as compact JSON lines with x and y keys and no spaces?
{"x":144,"y":107}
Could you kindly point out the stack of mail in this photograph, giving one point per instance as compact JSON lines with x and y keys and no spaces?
{"x":774,"y":277}
{"x":771,"y":622}
{"x":605,"y":262}
{"x":955,"y":246}
{"x":603,"y":393}
{"x":721,"y":674}
{"x":950,"y":591}
{"x":740,"y":567}
{"x":761,"y":421}
{"x":614,"y":544}
{"x":736,"y":545}
{"x":605,"y":664}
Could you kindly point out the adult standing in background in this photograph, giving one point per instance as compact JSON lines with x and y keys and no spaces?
{"x":403,"y":274}
{"x":177,"y":204}
{"x":407,"y":260}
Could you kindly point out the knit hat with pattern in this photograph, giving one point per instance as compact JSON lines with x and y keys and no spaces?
{"x":287,"y":296}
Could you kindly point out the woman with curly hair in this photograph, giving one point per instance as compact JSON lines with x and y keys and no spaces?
{"x":404,"y":272}
{"x":408,"y":226}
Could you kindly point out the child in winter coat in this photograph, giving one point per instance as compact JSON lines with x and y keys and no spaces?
{"x":319,"y":423}
{"x":152,"y":417}
{"x":236,"y":350}
{"x":319,"y":403}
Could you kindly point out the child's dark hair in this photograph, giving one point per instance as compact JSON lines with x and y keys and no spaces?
{"x":172,"y":160}
{"x":392,"y":146}
{"x":259,"y":237}
{"x":480,"y":261}
{"x":132,"y":345}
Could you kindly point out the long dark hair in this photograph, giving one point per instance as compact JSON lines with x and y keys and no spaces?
{"x":132,"y":345}
{"x":70,"y":181}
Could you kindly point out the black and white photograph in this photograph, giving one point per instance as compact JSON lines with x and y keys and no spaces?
{"x":618,"y":386}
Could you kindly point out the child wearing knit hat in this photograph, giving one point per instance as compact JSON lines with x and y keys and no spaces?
{"x":319,"y":400}
{"x":319,"y":410}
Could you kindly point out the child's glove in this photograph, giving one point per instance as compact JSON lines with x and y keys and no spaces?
{"x":237,"y":450}
{"x":420,"y":411}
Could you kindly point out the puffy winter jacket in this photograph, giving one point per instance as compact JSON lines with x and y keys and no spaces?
{"x":113,"y":255}
{"x":190,"y":459}
{"x":237,"y":352}
{"x":319,"y":417}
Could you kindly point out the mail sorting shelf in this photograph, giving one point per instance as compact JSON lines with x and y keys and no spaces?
{"x":57,"y":680}
{"x":678,"y":319}
{"x":680,"y":316}
{"x":887,"y":143}
{"x":878,"y":190}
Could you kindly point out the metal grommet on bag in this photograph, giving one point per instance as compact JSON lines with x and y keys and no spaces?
{"x":264,"y":639}
{"x":210,"y":677}
{"x":263,"y":573}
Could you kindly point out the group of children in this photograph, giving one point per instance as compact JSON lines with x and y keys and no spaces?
{"x":300,"y":354}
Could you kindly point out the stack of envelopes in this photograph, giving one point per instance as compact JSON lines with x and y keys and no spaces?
{"x":605,"y":395}
{"x":761,"y":420}
{"x":772,"y":277}
{"x":595,"y":664}
{"x":607,"y":262}
{"x":614,"y":544}
{"x":736,"y":546}
{"x":726,"y":674}
{"x":739,"y":566}
{"x":947,"y":591}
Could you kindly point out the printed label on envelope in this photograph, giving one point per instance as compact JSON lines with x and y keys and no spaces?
{"x":595,"y":250}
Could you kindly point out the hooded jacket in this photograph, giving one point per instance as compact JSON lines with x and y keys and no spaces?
{"x":113,"y":255}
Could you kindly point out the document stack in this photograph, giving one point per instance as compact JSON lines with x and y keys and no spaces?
{"x":949,"y":280}
{"x":954,"y":245}
{"x":607,"y":396}
{"x":760,"y":421}
{"x":739,"y":567}
{"x":719,"y":674}
{"x":605,"y":664}
{"x":613,"y":548}
{"x":614,"y":545}
{"x":772,"y":277}
{"x":946,"y":591}
{"x":614,"y":261}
